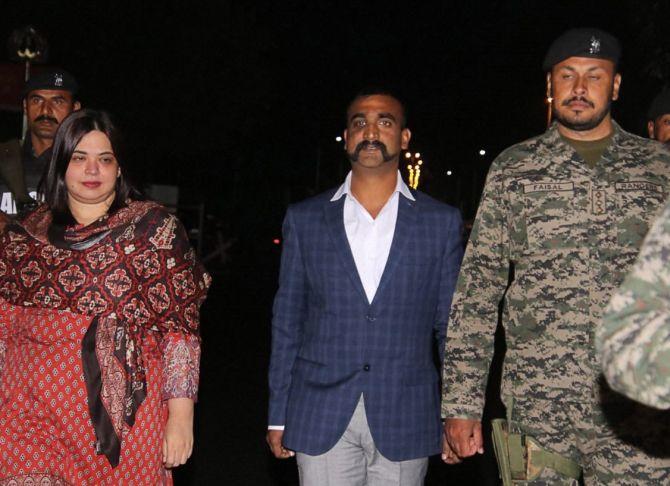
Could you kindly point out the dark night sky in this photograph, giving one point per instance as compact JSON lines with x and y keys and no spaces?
{"x":236,"y":101}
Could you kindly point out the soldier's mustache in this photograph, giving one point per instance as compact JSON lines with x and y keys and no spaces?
{"x":46,"y":118}
{"x":578,"y":98}
{"x":365,"y":144}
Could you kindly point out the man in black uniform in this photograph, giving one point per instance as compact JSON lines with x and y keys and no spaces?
{"x":48,"y":98}
{"x":659,"y":118}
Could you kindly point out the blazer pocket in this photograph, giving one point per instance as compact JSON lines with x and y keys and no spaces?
{"x":307,"y":364}
{"x":309,"y":371}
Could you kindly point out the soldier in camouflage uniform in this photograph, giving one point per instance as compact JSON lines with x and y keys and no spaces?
{"x":48,"y":98}
{"x":564,"y":214}
{"x":634,"y":340}
{"x":658,"y":116}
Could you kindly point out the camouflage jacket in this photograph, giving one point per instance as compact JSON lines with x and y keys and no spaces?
{"x":634,"y":340}
{"x":570,"y":233}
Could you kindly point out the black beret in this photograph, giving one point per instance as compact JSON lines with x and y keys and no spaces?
{"x":586,"y":42}
{"x":660,"y":105}
{"x":55,"y":79}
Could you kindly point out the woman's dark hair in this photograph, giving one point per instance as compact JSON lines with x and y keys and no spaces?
{"x":68,"y":136}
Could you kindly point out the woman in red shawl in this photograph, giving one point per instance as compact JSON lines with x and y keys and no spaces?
{"x":99,"y":314}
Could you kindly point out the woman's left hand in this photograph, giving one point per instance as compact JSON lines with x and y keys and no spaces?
{"x":178,"y":438}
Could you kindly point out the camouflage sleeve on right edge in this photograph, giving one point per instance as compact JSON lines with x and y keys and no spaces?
{"x":634,"y":339}
{"x":474,"y":312}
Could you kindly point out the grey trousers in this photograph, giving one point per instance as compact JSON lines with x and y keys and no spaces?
{"x":355,"y":461}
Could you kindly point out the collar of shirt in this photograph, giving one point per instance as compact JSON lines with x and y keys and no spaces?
{"x":345,"y":188}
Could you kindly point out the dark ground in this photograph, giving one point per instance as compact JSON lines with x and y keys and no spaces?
{"x":231,"y":413}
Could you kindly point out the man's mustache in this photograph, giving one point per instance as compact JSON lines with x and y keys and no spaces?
{"x":46,"y":118}
{"x":365,"y":144}
{"x":578,"y":98}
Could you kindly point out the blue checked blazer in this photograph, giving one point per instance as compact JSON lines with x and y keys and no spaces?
{"x":329,"y":344}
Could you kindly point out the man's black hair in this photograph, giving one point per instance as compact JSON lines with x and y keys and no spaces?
{"x":379,"y":91}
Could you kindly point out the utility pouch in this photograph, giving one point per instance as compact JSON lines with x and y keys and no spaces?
{"x":521,"y":458}
{"x":499,"y":428}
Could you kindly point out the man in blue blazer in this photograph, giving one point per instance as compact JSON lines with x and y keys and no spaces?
{"x":367,"y":275}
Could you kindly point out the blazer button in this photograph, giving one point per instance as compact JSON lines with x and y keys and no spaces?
{"x":371,"y":318}
{"x":366,"y":367}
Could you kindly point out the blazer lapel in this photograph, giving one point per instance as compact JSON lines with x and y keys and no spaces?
{"x":404,"y":229}
{"x":335,"y":222}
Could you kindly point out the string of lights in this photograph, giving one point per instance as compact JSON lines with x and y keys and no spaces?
{"x":414,"y":168}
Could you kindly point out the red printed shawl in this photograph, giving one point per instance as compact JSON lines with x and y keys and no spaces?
{"x":131,"y":272}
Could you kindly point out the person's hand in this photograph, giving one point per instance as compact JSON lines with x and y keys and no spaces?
{"x":178,"y":438}
{"x":448,"y":455}
{"x":463,"y":438}
{"x":274,"y":438}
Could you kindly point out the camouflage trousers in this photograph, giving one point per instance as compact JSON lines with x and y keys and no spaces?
{"x":615,"y":440}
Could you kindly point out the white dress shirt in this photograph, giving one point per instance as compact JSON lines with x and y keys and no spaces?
{"x":369,"y":238}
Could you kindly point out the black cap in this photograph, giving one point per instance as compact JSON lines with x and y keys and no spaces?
{"x":660,"y":105}
{"x":587,"y":42}
{"x":54,"y":79}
